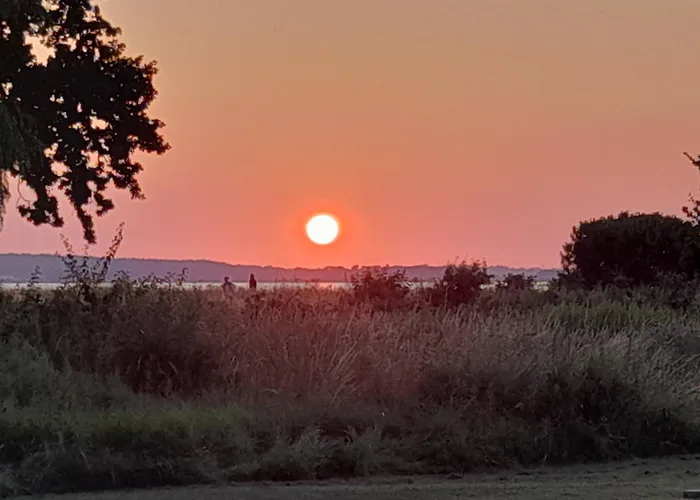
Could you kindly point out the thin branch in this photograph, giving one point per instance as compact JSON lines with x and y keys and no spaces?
{"x":695,"y":161}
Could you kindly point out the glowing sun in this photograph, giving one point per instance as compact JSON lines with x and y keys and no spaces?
{"x":322,"y":229}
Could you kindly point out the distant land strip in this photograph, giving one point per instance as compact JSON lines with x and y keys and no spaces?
{"x":18,"y":268}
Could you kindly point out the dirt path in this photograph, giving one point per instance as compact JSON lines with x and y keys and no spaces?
{"x":650,"y":479}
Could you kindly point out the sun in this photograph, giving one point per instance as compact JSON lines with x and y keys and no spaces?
{"x":322,"y":229}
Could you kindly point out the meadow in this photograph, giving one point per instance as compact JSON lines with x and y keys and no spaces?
{"x":150,"y":383}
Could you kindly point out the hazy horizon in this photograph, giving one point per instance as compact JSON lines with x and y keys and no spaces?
{"x":476,"y":129}
{"x":248,"y":264}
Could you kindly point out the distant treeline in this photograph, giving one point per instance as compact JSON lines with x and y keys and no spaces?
{"x":18,"y":268}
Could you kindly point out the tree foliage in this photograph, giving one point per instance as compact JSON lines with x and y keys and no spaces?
{"x":71,"y":123}
{"x":692,"y":211}
{"x":632,"y":249}
{"x":460,"y":284}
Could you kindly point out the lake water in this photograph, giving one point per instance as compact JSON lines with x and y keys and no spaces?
{"x":203,"y":285}
{"x":261,"y":285}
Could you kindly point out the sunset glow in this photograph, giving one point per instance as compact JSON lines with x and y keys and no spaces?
{"x":433,"y":130}
{"x":235,"y":228}
{"x":322,"y":229}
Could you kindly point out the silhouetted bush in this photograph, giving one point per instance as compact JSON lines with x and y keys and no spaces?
{"x":383,"y":290}
{"x":460,"y":284}
{"x":631,"y":250}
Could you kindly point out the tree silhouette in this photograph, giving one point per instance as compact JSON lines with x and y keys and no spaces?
{"x":693,"y":211}
{"x":695,"y":161}
{"x":629,"y":250}
{"x":73,"y":122}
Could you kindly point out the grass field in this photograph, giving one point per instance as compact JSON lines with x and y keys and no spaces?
{"x":138,"y":386}
{"x":652,"y":479}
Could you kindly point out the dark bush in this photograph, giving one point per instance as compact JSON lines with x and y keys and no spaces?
{"x":382,"y":289}
{"x":631,"y":250}
{"x":461,"y":284}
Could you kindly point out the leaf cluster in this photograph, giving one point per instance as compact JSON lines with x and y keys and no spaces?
{"x":72,"y":121}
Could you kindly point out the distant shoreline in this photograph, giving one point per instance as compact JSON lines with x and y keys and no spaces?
{"x":19,"y":268}
{"x":208,"y":285}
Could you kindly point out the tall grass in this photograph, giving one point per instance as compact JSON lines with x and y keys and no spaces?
{"x":140,"y":384}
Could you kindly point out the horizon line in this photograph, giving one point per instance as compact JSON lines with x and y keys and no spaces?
{"x":163,"y":259}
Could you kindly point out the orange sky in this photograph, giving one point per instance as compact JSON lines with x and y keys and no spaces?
{"x":432,"y":129}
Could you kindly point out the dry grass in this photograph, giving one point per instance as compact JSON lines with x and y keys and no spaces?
{"x":142,"y":385}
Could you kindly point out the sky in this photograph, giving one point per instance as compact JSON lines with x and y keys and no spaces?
{"x":433,"y":130}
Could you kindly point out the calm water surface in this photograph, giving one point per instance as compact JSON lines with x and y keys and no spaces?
{"x":203,"y":285}
{"x":261,"y":285}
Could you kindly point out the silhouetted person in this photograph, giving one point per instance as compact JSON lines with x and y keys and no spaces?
{"x":228,"y":287}
{"x":252,"y":284}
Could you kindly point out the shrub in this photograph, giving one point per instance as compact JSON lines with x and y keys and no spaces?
{"x":461,"y":284}
{"x":383,"y":290}
{"x":631,"y":250}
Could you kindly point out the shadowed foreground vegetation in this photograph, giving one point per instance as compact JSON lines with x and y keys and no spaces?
{"x":146,"y":383}
{"x":659,"y":479}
